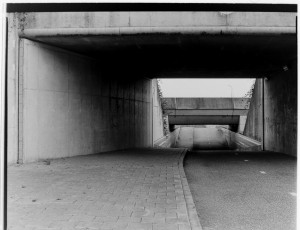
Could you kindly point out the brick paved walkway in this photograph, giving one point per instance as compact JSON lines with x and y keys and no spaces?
{"x":132,"y":189}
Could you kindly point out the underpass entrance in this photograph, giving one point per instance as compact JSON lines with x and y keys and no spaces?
{"x":83,"y":83}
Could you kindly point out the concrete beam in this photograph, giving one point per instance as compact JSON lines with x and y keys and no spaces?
{"x":194,"y":112}
{"x":158,"y":19}
{"x":206,"y":103}
{"x":213,"y":30}
{"x":49,"y":24}
{"x":204,"y":120}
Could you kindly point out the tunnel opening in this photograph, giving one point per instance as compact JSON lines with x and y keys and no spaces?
{"x":96,"y":82}
{"x":212,"y":114}
{"x":85,"y":83}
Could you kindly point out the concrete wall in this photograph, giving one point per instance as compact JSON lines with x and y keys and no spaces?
{"x":242,"y":124}
{"x":168,"y":141}
{"x":254,"y":125}
{"x":240,"y":142}
{"x":281,"y":111}
{"x":70,"y":108}
{"x":12,"y":89}
{"x":278,"y":130}
{"x":157,"y":114}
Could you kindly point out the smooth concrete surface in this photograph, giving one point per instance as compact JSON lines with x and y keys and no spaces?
{"x":275,"y":99}
{"x":280,"y":111}
{"x":214,"y":139}
{"x":139,"y":20}
{"x":205,"y":138}
{"x":158,"y":126}
{"x":242,"y":124}
{"x":240,"y":142}
{"x":70,"y":108}
{"x":12,"y":88}
{"x":168,"y":141}
{"x":201,"y":138}
{"x":254,"y":122}
{"x":135,"y":189}
{"x":185,"y":138}
{"x":246,"y":191}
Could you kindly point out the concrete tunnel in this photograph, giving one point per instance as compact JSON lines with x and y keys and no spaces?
{"x":84,"y":82}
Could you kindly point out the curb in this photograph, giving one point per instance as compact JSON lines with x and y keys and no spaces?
{"x":190,"y":205}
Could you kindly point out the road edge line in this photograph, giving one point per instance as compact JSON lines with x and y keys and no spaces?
{"x":190,"y":205}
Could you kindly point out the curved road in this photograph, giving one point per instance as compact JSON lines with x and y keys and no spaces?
{"x":239,"y":191}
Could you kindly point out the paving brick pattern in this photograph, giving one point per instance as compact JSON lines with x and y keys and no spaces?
{"x":130,"y":189}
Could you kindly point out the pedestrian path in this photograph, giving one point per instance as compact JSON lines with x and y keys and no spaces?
{"x":130,"y":189}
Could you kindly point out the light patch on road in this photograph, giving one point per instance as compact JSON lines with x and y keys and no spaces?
{"x":262,"y":172}
{"x":293,"y":193}
{"x":246,"y":160}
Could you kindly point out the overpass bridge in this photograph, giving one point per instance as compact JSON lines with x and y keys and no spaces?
{"x":94,"y":89}
{"x":82,"y":81}
{"x":207,"y":111}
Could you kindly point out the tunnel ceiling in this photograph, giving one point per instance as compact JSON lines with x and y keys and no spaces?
{"x":177,"y":55}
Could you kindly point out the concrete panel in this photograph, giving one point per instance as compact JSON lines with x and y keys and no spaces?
{"x":157,"y":114}
{"x":49,"y":62}
{"x":156,"y":19}
{"x":242,"y":124}
{"x":68,"y":110}
{"x":278,"y":129}
{"x":280,"y":111}
{"x":31,"y":114}
{"x":12,"y":89}
{"x":254,"y":123}
{"x":261,"y":19}
{"x":31,"y":61}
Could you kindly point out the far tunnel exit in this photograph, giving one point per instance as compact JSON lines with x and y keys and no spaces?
{"x":212,"y":114}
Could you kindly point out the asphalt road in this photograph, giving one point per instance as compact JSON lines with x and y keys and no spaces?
{"x":248,"y":191}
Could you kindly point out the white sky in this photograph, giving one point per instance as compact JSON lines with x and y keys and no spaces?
{"x":206,"y":87}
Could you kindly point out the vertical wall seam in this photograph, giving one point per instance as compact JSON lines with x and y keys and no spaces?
{"x":263,"y":114}
{"x":20,"y":101}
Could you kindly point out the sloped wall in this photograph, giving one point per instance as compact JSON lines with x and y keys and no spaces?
{"x":157,"y":114}
{"x":254,"y":124}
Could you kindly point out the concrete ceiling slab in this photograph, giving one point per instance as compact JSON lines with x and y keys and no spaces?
{"x":178,"y":55}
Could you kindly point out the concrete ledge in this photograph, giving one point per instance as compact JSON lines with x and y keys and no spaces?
{"x":161,"y":142}
{"x":190,"y":205}
{"x":241,"y":142}
{"x":238,"y":30}
{"x":168,"y":141}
